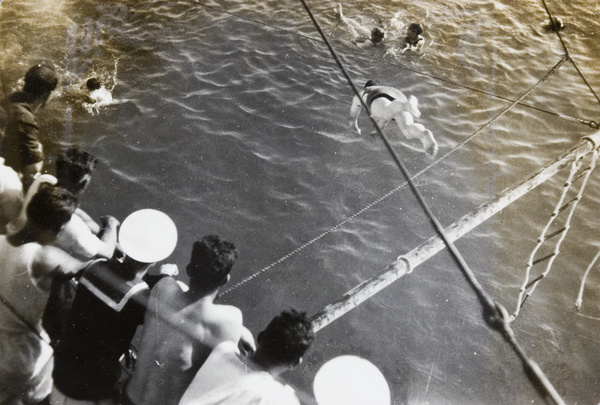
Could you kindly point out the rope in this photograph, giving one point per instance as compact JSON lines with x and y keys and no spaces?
{"x":528,"y":287}
{"x":395,"y":190}
{"x":568,"y":52}
{"x":579,"y":301}
{"x":494,"y":314}
{"x":592,"y":124}
{"x":574,"y":167}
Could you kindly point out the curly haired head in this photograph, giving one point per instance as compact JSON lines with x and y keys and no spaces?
{"x":211,"y":261}
{"x":40,"y":81}
{"x":286,"y":338}
{"x":51,"y":207}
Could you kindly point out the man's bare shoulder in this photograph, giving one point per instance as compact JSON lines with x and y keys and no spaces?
{"x":228,"y":313}
{"x":168,"y":294}
{"x":230,"y":325}
{"x":167,"y":286}
{"x":221,"y":323}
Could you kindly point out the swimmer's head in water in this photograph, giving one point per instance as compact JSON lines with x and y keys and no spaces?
{"x":412,"y":33}
{"x":40,"y":81}
{"x":415,"y":28}
{"x":377,"y":35}
{"x":93,"y":84}
{"x":370,"y":83}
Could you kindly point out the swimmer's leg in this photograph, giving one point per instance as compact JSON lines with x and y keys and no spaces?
{"x":414,"y":106}
{"x":430,"y":146}
{"x":354,"y":113}
{"x":412,"y":130}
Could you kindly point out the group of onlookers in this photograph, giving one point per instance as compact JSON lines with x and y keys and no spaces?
{"x":74,"y":292}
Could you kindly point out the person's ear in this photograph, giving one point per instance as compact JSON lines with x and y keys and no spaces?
{"x":226,"y":280}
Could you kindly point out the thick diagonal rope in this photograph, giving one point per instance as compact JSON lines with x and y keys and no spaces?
{"x":579,"y":301}
{"x":528,"y":287}
{"x":395,"y":190}
{"x":493,"y":313}
{"x":562,"y":41}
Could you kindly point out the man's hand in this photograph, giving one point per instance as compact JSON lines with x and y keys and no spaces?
{"x":169,"y":269}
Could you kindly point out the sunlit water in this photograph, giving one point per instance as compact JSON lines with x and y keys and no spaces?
{"x":231,"y":116}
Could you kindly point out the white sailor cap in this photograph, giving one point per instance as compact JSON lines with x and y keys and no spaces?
{"x":148,"y":236}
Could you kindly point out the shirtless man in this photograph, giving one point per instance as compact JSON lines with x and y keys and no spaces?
{"x":389,"y":104}
{"x":230,"y":377}
{"x":181,"y":328}
{"x":27,"y":265}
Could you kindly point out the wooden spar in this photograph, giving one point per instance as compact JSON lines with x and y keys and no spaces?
{"x":406,"y":263}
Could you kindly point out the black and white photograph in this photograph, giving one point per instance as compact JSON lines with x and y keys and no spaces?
{"x":299,"y":202}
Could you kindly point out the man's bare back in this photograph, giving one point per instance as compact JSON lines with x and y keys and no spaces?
{"x":180,"y":330}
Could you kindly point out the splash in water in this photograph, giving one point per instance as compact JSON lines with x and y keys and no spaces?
{"x":99,"y":94}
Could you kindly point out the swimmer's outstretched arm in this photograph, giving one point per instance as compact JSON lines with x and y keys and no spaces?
{"x":354,"y":27}
{"x":354,"y":113}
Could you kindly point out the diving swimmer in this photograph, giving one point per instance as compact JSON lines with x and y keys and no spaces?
{"x":389,"y":104}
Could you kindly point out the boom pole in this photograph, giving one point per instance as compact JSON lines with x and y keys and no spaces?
{"x":404,"y":264}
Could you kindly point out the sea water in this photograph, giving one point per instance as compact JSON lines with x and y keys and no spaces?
{"x":232,"y":117}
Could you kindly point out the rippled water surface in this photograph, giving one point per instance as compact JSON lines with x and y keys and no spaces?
{"x":231,"y":116}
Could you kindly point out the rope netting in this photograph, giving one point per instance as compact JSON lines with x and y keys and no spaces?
{"x":558,"y":235}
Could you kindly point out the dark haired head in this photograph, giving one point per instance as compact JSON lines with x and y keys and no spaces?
{"x":286,"y":338}
{"x":370,"y":83}
{"x":40,"y":81}
{"x":377,"y":35}
{"x":51,"y":207}
{"x":74,"y":168}
{"x":93,"y":84}
{"x":416,"y":28}
{"x":211,"y":261}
